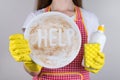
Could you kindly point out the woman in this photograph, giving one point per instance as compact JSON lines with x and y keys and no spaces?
{"x":87,"y":23}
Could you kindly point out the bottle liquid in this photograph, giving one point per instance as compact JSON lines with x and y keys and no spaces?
{"x":99,"y":37}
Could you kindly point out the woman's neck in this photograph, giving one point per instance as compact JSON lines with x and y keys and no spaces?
{"x":62,"y":5}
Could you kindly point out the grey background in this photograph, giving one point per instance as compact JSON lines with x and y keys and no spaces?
{"x":13,"y":14}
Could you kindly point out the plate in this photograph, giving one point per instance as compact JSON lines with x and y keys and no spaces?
{"x":54,"y":39}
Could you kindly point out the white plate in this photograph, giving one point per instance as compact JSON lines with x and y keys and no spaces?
{"x":57,"y":56}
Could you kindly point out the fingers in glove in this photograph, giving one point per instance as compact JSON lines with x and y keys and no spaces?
{"x":99,"y":59}
{"x":18,"y":46}
{"x":101,"y":55}
{"x":18,"y":41}
{"x":21,"y":52}
{"x":94,"y":64}
{"x":16,"y":36}
{"x":22,"y":58}
{"x":92,"y":70}
{"x":98,"y":62}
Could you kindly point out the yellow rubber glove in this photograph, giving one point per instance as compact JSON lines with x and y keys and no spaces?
{"x":93,"y":58}
{"x":20,"y":51}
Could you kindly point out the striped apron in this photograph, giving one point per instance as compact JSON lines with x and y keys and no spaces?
{"x":75,"y":70}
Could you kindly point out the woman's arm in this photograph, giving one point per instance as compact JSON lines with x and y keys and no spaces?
{"x":31,"y":67}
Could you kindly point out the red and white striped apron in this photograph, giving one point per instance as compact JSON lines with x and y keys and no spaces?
{"x":73,"y":71}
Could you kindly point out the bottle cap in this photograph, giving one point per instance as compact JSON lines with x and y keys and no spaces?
{"x":101,"y":28}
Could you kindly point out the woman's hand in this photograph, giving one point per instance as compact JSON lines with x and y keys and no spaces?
{"x":93,"y":58}
{"x":20,"y":51}
{"x":19,"y":48}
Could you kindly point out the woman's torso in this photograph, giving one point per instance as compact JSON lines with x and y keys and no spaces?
{"x":90,"y":20}
{"x":75,"y":69}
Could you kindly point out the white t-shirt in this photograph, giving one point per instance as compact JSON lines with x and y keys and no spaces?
{"x":90,"y":20}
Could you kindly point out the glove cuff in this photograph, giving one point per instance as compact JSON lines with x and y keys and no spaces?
{"x":32,"y":66}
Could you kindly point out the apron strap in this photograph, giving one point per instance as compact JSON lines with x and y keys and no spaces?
{"x":78,"y":15}
{"x":79,"y":18}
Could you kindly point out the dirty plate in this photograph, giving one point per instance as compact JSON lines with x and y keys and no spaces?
{"x":54,"y":39}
